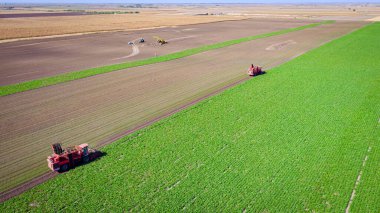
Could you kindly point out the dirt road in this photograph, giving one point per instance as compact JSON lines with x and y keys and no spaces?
{"x":97,"y":108}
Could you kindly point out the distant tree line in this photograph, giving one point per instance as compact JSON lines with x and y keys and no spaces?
{"x":103,"y":12}
{"x":138,"y":6}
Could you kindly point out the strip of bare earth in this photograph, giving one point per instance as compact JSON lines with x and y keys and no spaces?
{"x":49,"y":175}
{"x":99,"y":31}
{"x":152,"y":119}
{"x":272,"y":182}
{"x":38,"y":83}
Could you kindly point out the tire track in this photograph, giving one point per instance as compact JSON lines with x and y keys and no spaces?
{"x":259,"y":59}
{"x":357,"y":182}
{"x":135,"y":51}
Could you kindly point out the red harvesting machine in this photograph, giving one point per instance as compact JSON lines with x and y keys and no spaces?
{"x":63,"y":160}
{"x":255,"y":70}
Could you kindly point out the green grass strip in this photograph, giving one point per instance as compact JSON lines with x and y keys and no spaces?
{"x":292,"y":140}
{"x":43,"y":82}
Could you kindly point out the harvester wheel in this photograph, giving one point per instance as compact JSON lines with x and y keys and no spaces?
{"x":86,"y":159}
{"x":64,"y":168}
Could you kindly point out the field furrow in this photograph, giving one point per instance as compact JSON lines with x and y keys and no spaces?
{"x":293,"y":139}
{"x":94,"y":109}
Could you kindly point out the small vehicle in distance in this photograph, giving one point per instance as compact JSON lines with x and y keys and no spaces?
{"x":255,"y":70}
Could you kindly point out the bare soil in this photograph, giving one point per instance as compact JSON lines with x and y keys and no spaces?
{"x":164,"y":15}
{"x":28,"y":60}
{"x":97,"y":109}
{"x":56,"y":25}
{"x":48,"y":175}
{"x":280,"y":45}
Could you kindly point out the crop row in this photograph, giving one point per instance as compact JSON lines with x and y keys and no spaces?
{"x":291,"y":140}
{"x":43,"y":82}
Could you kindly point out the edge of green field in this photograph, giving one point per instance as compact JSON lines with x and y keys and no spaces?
{"x":48,"y":81}
{"x":293,"y":139}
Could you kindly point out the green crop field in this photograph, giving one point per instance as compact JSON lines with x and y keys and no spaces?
{"x":48,"y":81}
{"x":292,"y":140}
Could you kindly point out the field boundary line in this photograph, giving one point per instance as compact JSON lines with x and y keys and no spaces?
{"x":26,"y":186}
{"x":171,"y":112}
{"x":357,"y":182}
{"x":4,"y":196}
{"x":8,"y":40}
{"x":66,"y":77}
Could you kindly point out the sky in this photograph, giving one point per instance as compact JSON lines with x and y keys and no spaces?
{"x":188,"y":1}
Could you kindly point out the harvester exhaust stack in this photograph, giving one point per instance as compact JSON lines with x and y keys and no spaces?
{"x":255,"y":70}
{"x":57,"y":148}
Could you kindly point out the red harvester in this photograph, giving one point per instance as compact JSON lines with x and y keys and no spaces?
{"x":62,"y":160}
{"x":255,"y":70}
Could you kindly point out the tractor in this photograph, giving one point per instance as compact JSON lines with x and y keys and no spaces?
{"x":160,"y":40}
{"x":62,"y":160}
{"x":255,"y":70}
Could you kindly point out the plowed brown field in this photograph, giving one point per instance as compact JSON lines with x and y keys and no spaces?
{"x":28,"y":60}
{"x":13,"y":28}
{"x":94,"y":109}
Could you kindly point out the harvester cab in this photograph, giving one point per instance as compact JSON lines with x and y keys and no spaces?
{"x":64,"y":159}
{"x":255,"y":70}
